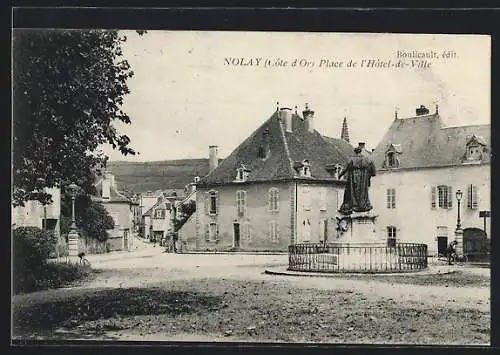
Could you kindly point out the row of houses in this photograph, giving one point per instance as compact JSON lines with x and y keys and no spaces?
{"x":281,"y":185}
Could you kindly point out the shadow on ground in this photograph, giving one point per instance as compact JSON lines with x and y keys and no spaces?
{"x":31,"y":320}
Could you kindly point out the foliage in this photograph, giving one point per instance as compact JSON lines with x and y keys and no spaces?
{"x":95,"y":221}
{"x":183,"y":213}
{"x":32,"y":246}
{"x":49,"y":275}
{"x":68,"y":90}
{"x":92,"y":219}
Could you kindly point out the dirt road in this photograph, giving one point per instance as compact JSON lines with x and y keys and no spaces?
{"x":148,"y":294}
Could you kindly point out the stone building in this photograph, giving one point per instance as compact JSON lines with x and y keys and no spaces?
{"x":421,"y":164}
{"x":279,"y":186}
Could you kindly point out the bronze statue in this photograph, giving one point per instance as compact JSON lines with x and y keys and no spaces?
{"x":358,"y":171}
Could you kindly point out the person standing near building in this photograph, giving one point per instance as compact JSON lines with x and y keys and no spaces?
{"x":451,"y":252}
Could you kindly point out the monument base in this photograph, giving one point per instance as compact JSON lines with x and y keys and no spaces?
{"x":361,"y":228}
{"x":73,"y":240}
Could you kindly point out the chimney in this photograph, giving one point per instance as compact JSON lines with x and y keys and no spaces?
{"x":308,"y":118}
{"x":422,"y":110}
{"x":345,"y":131}
{"x":106,"y":185}
{"x":285,"y":116}
{"x":213,"y":161}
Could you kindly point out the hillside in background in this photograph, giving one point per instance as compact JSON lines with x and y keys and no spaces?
{"x":157,"y":175}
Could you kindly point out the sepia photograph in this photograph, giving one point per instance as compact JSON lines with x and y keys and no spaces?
{"x":250,"y":186}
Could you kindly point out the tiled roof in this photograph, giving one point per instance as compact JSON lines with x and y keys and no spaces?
{"x":286,"y":148}
{"x":424,"y":142}
{"x":161,"y":200}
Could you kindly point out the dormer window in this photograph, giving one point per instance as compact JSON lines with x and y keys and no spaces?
{"x":306,"y":168}
{"x":242,"y":174}
{"x":475,"y":147}
{"x":392,"y":156}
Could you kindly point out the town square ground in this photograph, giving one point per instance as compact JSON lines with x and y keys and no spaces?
{"x":150,"y":295}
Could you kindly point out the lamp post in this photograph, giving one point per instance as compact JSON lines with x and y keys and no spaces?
{"x":458,"y":195}
{"x":73,"y":236}
{"x":458,"y":232}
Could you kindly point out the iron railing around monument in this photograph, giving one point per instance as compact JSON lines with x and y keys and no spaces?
{"x":359,"y":257}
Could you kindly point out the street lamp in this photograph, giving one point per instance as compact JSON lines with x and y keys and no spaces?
{"x":458,"y":195}
{"x":73,"y":236}
{"x":72,"y":190}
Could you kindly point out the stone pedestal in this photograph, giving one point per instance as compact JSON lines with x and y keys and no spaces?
{"x":73,"y":240}
{"x":459,"y":248}
{"x":362,"y":228}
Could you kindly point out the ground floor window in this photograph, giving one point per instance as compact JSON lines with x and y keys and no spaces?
{"x":391,"y":236}
{"x":274,"y":231}
{"x":212,"y":231}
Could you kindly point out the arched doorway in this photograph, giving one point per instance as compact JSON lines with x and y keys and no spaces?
{"x":476,"y":244}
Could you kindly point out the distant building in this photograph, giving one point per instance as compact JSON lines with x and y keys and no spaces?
{"x":278,"y":187}
{"x":156,"y":222}
{"x":420,"y":166}
{"x":120,"y":208}
{"x":34,"y":214}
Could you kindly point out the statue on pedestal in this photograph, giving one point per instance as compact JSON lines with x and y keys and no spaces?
{"x":359,"y":170}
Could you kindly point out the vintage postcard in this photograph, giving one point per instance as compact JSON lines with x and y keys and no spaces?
{"x":257,"y":187}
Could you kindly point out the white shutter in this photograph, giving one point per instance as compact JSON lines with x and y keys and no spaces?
{"x":270,"y":199}
{"x":475,"y":199}
{"x":244,"y":203}
{"x":277,"y":199}
{"x":216,"y":202}
{"x":270,"y":230}
{"x":277,"y":232}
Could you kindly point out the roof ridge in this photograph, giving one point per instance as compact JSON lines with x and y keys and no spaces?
{"x":287,"y":150}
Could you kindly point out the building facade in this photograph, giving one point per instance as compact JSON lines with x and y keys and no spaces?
{"x":34,"y":214}
{"x":157,"y":220}
{"x":420,"y":167}
{"x":120,"y":208}
{"x":279,"y":187}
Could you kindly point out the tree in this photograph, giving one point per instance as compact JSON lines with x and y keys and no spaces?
{"x":92,"y":219}
{"x":68,"y":89}
{"x":183,"y":213}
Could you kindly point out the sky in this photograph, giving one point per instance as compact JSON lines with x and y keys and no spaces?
{"x":185,"y":96}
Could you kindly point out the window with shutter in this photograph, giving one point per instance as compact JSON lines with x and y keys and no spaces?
{"x":391,"y":198}
{"x":273,"y":199}
{"x":472,"y":200}
{"x":444,"y":196}
{"x":213,"y":202}
{"x":213,"y":231}
{"x":433,"y":197}
{"x":241,"y":202}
